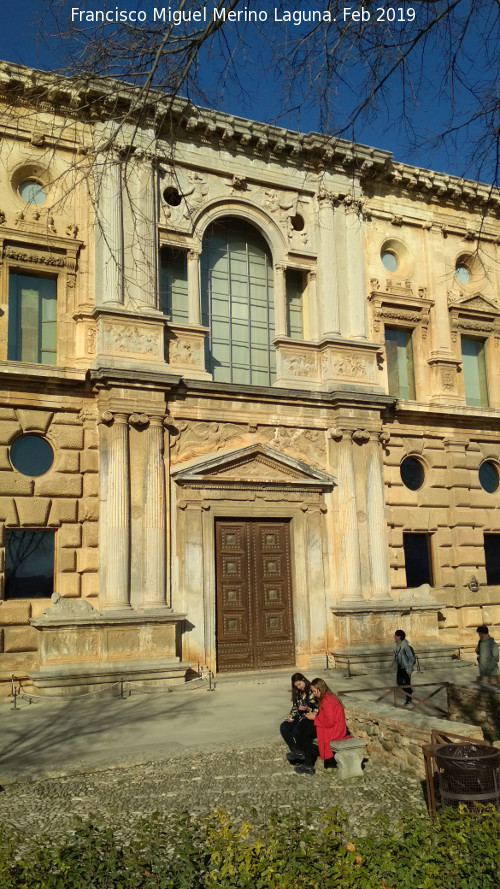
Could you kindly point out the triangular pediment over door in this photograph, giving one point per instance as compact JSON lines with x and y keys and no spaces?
{"x":254,"y":466}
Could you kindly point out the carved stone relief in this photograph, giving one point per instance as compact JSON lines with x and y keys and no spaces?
{"x":126,"y":338}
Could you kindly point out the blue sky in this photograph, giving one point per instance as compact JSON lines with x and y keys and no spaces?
{"x":20,"y":41}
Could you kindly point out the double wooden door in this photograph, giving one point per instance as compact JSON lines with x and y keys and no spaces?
{"x":254,"y":595}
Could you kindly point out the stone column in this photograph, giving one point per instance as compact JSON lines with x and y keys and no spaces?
{"x":310,"y":317}
{"x":376,"y":521}
{"x":154,"y":521}
{"x":349,"y":565}
{"x":139,"y":253}
{"x":280,"y":326}
{"x":193,"y":284}
{"x":328,"y":267}
{"x":109,"y":231}
{"x":354,"y":314}
{"x":115,"y":529}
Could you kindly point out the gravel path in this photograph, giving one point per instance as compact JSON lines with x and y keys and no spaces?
{"x":247,"y":782}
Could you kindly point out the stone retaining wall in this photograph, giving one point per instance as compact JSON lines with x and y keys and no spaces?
{"x":396,"y":737}
{"x":477,"y":705}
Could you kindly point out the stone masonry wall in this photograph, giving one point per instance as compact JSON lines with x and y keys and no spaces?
{"x":396,"y":738}
{"x":476,"y":705}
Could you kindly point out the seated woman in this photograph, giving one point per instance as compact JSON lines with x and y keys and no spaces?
{"x":303,"y":702}
{"x":329,"y":726}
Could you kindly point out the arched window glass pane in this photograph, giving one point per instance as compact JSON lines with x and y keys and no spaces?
{"x":237,"y":303}
{"x":412,"y":473}
{"x":31,"y":455}
{"x":389,"y":260}
{"x":463,"y":274}
{"x":488,"y":477}
{"x":32,"y":192}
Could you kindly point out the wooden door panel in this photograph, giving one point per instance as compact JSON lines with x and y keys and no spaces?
{"x":254,"y":597}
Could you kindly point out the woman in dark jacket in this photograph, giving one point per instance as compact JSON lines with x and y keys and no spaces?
{"x":303,"y":701}
{"x":329,"y":725}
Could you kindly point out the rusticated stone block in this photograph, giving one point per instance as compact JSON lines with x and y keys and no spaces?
{"x":90,"y":534}
{"x":67,"y":437}
{"x":90,"y":585}
{"x":66,"y":560}
{"x":14,"y":483}
{"x":67,"y":461}
{"x":56,"y":485}
{"x":87,"y":560}
{"x":8,"y":511}
{"x":8,"y":431}
{"x":18,"y":611}
{"x":7,"y":413}
{"x":4,"y":458}
{"x":69,"y":536}
{"x":21,"y":639}
{"x":88,"y":509}
{"x":91,"y":439}
{"x":1,"y":639}
{"x":33,"y":511}
{"x":68,"y":585}
{"x":89,"y":461}
{"x":63,"y":511}
{"x":90,"y":485}
{"x":38,"y":606}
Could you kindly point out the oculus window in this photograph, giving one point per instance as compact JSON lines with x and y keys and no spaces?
{"x":173,"y":284}
{"x":32,"y":192}
{"x":412,"y":473}
{"x":237,"y":303}
{"x":31,"y":455}
{"x":418,"y":561}
{"x":492,"y":558}
{"x":474,"y":371}
{"x":389,"y":260}
{"x":32,"y":319}
{"x":488,"y":476}
{"x":399,"y":353}
{"x":29,"y":564}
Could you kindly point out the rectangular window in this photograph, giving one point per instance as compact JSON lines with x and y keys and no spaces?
{"x":492,"y":558}
{"x":474,"y":370}
{"x":399,"y":353}
{"x":29,"y":564}
{"x":173,"y":284}
{"x":294,"y":304}
{"x":32,"y":319}
{"x":418,"y":561}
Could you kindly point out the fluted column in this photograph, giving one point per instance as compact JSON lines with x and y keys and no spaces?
{"x":109,"y":231}
{"x":115,"y":529}
{"x":377,"y":524}
{"x":280,"y":327}
{"x":328,"y":266}
{"x":349,"y":568}
{"x":139,"y":233}
{"x":154,"y":523}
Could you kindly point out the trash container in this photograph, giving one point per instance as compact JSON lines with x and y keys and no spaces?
{"x":468,"y":773}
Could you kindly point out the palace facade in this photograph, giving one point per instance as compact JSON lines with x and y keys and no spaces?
{"x":250,"y":392}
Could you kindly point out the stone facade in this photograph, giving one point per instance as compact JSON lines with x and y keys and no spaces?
{"x":196,"y":502}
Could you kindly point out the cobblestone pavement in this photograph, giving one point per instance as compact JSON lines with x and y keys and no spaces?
{"x":248,"y":782}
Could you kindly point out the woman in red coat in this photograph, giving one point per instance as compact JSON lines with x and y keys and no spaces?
{"x":330,"y":726}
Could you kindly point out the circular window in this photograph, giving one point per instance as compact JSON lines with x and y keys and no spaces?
{"x":488,"y":476}
{"x":32,"y":192}
{"x":31,"y":455}
{"x":462,"y":273}
{"x":389,"y":260}
{"x":172,"y":196}
{"x":412,"y":473}
{"x":297,"y":222}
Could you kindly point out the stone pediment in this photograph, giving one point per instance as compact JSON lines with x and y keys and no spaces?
{"x":254,"y":466}
{"x":476,"y":304}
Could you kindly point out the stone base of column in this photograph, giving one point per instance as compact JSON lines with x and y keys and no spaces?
{"x":356,"y":624}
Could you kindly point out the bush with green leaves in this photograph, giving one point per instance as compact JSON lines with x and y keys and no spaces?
{"x":459,"y":849}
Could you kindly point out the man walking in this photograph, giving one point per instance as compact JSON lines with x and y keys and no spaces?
{"x":404,"y":662}
{"x":487,"y":656}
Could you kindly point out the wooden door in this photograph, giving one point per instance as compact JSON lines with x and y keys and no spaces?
{"x":254,"y":595}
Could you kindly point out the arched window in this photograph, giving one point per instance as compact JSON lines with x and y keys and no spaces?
{"x":237,"y":303}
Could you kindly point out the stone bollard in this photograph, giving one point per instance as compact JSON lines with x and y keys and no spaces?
{"x":349,"y":756}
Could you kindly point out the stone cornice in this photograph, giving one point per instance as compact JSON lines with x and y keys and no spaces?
{"x":92,"y":98}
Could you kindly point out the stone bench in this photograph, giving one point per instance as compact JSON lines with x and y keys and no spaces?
{"x":349,"y":755}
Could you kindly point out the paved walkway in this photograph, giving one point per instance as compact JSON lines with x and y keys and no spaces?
{"x":192,"y":749}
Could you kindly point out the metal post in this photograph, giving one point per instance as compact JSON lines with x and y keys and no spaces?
{"x":14,"y":694}
{"x":121,"y":688}
{"x":211,"y":686}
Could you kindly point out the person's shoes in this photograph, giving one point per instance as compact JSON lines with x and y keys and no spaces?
{"x":304,"y":770}
{"x":408,"y":704}
{"x":295,"y":758}
{"x":330,"y":763}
